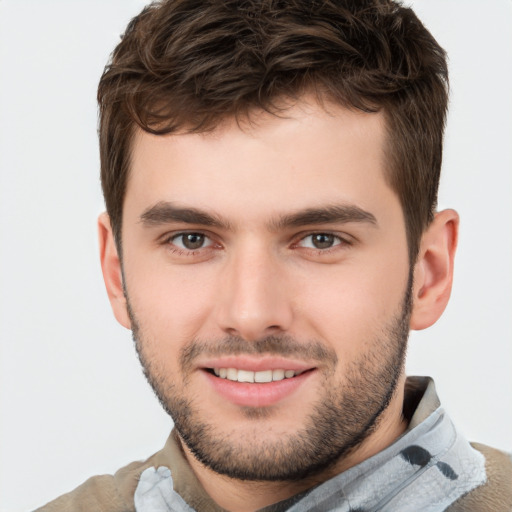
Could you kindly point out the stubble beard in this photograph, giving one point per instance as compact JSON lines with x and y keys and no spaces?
{"x":342,"y":418}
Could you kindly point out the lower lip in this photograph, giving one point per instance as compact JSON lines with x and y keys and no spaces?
{"x":258,"y":394}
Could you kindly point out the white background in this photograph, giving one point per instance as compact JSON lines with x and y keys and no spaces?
{"x":73,"y":401}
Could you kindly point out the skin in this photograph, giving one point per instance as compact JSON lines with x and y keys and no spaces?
{"x":257,"y":276}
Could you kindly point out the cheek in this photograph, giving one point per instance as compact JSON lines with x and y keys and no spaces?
{"x":171,"y":303}
{"x":349,"y":308}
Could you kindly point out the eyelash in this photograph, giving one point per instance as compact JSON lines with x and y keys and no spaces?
{"x":168,"y":241}
{"x":341,"y":243}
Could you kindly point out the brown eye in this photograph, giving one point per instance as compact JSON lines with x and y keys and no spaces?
{"x":322,"y":240}
{"x":190,"y":241}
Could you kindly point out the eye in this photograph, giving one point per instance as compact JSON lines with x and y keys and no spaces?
{"x":191,"y":241}
{"x":320,"y":241}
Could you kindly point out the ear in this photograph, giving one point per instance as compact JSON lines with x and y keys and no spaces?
{"x":433,"y":272}
{"x":112,"y":273}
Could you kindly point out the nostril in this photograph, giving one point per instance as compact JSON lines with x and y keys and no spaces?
{"x":232,"y":331}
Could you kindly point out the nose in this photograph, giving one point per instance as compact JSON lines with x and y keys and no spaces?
{"x":254,"y":300}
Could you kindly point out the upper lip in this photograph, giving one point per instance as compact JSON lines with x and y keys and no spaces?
{"x":256,"y":364}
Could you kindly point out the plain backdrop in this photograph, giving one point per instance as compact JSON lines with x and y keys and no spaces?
{"x":73,"y":401}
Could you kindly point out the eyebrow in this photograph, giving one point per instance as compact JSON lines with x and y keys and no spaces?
{"x":165,"y":212}
{"x":325,"y":215}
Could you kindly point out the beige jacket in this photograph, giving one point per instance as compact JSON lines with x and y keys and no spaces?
{"x":107,"y":493}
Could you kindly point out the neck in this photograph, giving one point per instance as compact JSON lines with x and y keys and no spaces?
{"x":248,"y":496}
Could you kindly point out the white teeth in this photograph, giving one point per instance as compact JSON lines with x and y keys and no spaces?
{"x":232,"y":374}
{"x":250,"y":376}
{"x":277,"y":374}
{"x":245,"y":376}
{"x":265,"y":376}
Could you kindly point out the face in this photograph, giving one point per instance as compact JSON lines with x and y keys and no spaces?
{"x":267,"y":281}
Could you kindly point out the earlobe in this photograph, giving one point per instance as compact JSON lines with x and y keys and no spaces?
{"x":112,"y":272}
{"x":433,"y":272}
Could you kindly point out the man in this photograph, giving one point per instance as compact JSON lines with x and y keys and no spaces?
{"x":270,"y":172}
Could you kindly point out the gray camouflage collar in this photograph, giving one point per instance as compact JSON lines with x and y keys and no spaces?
{"x":429,"y":467}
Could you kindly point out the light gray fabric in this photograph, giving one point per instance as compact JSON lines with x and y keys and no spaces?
{"x":426,"y":470}
{"x":155,"y":492}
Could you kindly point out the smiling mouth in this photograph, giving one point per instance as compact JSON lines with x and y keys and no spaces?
{"x":264,"y":376}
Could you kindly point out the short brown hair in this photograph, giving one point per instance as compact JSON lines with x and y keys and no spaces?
{"x":189,"y":64}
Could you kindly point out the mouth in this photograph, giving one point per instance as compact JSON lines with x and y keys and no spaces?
{"x":256,"y":383}
{"x":259,"y":377}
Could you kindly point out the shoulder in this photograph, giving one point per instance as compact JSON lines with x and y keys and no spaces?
{"x":496,"y":494}
{"x":104,"y":492}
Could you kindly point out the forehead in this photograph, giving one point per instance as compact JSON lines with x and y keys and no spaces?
{"x":306,"y":156}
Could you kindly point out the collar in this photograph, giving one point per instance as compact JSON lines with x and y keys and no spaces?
{"x":430,"y":465}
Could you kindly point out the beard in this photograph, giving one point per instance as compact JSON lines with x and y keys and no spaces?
{"x":344,"y":414}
